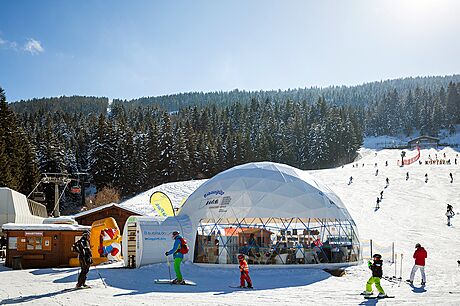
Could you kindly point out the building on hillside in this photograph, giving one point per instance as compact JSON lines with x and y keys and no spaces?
{"x":41,"y":245}
{"x":16,"y":208}
{"x":119,"y":213}
{"x":424,"y":142}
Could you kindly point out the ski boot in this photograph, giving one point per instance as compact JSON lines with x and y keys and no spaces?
{"x":366,"y":293}
{"x":178,"y":282}
{"x":409,"y":281}
{"x":423,"y":283}
{"x":382,"y":295}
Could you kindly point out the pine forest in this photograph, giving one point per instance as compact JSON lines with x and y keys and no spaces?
{"x":134,"y":145}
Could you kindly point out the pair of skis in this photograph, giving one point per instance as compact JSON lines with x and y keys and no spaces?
{"x":372,"y":297}
{"x":170,"y":282}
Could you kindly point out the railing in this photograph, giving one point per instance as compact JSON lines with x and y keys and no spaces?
{"x":37,"y":209}
{"x":411,"y":160}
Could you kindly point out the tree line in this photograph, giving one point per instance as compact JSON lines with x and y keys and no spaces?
{"x":136,"y":146}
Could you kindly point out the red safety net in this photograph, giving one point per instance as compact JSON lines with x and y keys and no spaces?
{"x":411,"y":160}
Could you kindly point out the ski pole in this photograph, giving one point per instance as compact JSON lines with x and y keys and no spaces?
{"x":105,"y":285}
{"x":396,"y":264}
{"x":169,"y":268}
{"x":400,"y":270}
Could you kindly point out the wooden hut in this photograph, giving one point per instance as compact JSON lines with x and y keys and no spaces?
{"x":119,"y":213}
{"x":424,"y":142}
{"x":41,"y":245}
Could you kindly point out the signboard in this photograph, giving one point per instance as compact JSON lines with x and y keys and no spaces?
{"x":37,"y":234}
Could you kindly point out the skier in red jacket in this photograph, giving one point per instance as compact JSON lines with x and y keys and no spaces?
{"x":244,"y":270}
{"x":419,"y":256}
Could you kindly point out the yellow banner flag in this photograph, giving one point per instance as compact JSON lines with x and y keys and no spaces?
{"x":162,"y":204}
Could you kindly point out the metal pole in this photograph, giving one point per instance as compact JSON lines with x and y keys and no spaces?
{"x":393,"y":252}
{"x":371,"y":247}
{"x":396,"y":257}
{"x":56,"y":200}
{"x":400,"y":270}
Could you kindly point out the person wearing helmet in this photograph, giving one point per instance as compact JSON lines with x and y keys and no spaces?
{"x":377,"y":273}
{"x":178,"y":257}
{"x":83,"y":248}
{"x":419,"y":255}
{"x":244,"y":270}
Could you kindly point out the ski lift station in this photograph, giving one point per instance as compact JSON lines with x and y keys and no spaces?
{"x":16,"y":208}
{"x":277,"y":215}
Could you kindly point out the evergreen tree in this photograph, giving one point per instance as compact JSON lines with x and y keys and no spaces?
{"x":102,"y":163}
{"x":153,"y":157}
{"x":167,"y":163}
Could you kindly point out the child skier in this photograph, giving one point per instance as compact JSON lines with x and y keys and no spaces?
{"x":377,"y":274}
{"x":244,"y":269}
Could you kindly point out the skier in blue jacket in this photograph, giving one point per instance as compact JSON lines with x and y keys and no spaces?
{"x":179,"y":249}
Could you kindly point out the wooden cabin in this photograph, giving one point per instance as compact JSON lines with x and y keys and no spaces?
{"x":424,"y":142}
{"x":119,"y":213}
{"x":41,"y":245}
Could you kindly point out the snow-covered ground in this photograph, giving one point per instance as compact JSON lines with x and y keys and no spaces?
{"x":412,"y":212}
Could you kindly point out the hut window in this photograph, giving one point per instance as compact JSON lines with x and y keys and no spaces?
{"x":34,"y":243}
{"x":12,"y":243}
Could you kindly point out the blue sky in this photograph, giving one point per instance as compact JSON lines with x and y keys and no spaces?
{"x":128,"y":49}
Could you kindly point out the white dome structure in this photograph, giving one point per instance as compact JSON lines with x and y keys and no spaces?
{"x":273,"y":213}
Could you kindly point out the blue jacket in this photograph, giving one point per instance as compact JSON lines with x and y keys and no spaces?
{"x":176,"y":248}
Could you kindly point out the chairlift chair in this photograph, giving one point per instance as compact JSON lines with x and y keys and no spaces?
{"x":75,"y":189}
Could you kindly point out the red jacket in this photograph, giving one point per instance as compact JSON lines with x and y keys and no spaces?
{"x":244,"y":266}
{"x":420,"y":255}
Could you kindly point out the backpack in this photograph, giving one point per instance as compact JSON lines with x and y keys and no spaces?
{"x":183,"y":246}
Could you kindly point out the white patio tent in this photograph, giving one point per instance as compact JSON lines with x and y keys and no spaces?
{"x":146,"y":239}
{"x":257,"y":193}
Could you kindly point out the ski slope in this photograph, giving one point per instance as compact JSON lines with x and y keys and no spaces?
{"x":411,"y":212}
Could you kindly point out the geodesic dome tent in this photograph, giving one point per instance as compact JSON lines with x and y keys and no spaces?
{"x":273,"y":213}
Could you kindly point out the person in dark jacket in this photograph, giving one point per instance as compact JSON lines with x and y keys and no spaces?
{"x":419,"y":255}
{"x":377,"y":273}
{"x":449,"y":214}
{"x":2,"y":245}
{"x":2,"y":242}
{"x":83,"y":248}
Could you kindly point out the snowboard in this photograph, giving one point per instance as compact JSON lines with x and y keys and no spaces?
{"x":169,"y":282}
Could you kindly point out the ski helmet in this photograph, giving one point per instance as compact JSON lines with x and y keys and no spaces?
{"x":378,"y":256}
{"x":240,"y":256}
{"x":175,"y":233}
{"x":418,"y":245}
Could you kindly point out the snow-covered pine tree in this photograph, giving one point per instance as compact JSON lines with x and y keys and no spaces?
{"x":102,"y":160}
{"x":168,"y":161}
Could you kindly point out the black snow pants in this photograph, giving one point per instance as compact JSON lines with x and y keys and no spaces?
{"x":83,"y":272}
